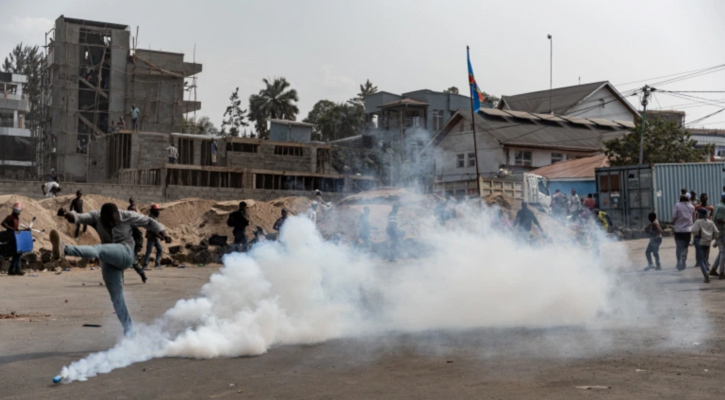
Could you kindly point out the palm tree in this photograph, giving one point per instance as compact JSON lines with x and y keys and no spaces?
{"x":275,"y":101}
{"x":366,"y":89}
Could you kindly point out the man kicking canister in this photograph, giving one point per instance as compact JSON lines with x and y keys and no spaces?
{"x":116,"y":252}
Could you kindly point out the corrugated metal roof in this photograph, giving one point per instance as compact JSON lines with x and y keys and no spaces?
{"x":604,"y":122}
{"x":575,"y":120}
{"x":402,"y":102}
{"x":521,"y":114}
{"x":562,"y":99}
{"x":288,"y":122}
{"x":549,"y":117}
{"x":493,"y":111}
{"x":626,"y":124}
{"x":581,"y":168}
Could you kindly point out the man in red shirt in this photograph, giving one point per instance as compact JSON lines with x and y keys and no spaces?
{"x":11,"y":223}
{"x":589,"y":202}
{"x":704,"y":204}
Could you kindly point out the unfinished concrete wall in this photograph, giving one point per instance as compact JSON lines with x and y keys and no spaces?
{"x":265,"y":158}
{"x":156,"y":86}
{"x":97,"y":166}
{"x":147,"y":150}
{"x":154,"y":194}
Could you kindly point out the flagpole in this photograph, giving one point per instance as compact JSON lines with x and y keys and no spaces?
{"x":473,"y":127}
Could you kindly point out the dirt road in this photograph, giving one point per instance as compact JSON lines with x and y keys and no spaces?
{"x":646,"y":361}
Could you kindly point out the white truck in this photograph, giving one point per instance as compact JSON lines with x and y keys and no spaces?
{"x":534,"y":189}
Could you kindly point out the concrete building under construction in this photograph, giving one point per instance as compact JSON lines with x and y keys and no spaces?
{"x":94,"y":75}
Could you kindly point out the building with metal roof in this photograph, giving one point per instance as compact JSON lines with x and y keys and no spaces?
{"x":513,"y":141}
{"x":576,"y":174}
{"x":591,"y":100}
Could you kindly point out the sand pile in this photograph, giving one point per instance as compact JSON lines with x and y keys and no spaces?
{"x":190,"y":221}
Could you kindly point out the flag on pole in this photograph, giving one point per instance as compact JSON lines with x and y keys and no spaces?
{"x":476,"y":93}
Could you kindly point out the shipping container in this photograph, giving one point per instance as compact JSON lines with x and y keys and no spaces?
{"x":628,"y":194}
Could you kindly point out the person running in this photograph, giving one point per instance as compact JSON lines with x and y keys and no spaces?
{"x":280,"y":221}
{"x":311,"y":213}
{"x":524,"y":218}
{"x":704,"y":204}
{"x":589,"y":202}
{"x":115,"y":251}
{"x":11,"y":223}
{"x":655,"y":240}
{"x":704,"y":232}
{"x":364,"y":227}
{"x":239,"y":221}
{"x":51,"y":189}
{"x":574,"y":203}
{"x":77,"y":206}
{"x":393,"y":232}
{"x":152,"y":241}
{"x":718,"y":216}
{"x":682,"y":214}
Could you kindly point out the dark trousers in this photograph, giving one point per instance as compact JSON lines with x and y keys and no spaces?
{"x":172,"y":160}
{"x":702,"y":255}
{"x":78,"y":229}
{"x":134,"y":123}
{"x":653,"y":249}
{"x":240,"y":241}
{"x":682,"y":241}
{"x":15,"y":263}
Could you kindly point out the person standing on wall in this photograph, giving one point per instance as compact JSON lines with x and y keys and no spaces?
{"x":173,"y":154}
{"x":134,"y":117}
{"x":77,"y":206}
{"x":214,"y":150}
{"x":239,"y":221}
{"x":682,"y":214}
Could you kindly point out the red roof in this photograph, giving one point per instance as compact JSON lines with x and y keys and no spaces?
{"x":581,"y":168}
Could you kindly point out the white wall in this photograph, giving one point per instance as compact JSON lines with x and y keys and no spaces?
{"x":611,"y":109}
{"x":490,"y":155}
{"x":542,"y":157}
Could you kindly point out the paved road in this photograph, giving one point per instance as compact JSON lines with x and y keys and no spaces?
{"x":665,"y":356}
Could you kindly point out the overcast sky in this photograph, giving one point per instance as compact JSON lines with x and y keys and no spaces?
{"x":327,"y":48}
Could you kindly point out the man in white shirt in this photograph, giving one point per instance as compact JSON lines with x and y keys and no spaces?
{"x":574,"y":203}
{"x":51,"y":189}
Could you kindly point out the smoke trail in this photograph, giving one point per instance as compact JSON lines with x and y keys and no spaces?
{"x":306,"y":290}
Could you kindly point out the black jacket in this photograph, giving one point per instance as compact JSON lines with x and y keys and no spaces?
{"x":238,"y":220}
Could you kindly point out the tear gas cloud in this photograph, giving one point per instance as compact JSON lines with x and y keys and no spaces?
{"x":304,"y":290}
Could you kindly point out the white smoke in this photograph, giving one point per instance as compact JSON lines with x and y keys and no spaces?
{"x":303,"y":289}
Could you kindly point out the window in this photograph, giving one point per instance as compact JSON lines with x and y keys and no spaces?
{"x":522,"y":158}
{"x":6,"y":119}
{"x":242,"y":147}
{"x":471,"y":159}
{"x":437,"y":120}
{"x":556,"y":157}
{"x":461,"y":161}
{"x":288,"y":151}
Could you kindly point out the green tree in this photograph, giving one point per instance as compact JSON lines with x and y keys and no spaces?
{"x":664,"y":142}
{"x":452,"y":89}
{"x":28,"y":61}
{"x":336,"y":120}
{"x":275,"y":101}
{"x":317,"y":115}
{"x":234,"y":116}
{"x":202,"y":126}
{"x":366,"y":89}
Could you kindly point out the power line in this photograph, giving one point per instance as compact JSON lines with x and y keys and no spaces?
{"x":667,"y":76}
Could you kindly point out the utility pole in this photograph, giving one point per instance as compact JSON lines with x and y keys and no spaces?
{"x":645,"y":101}
{"x":551,"y":70}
